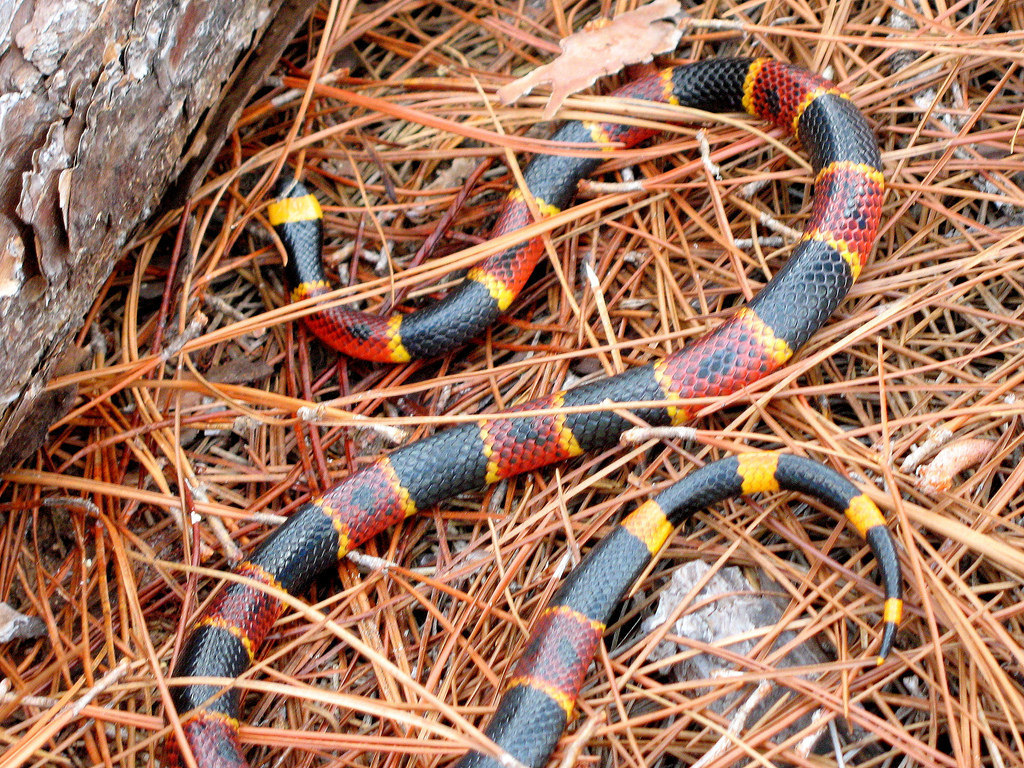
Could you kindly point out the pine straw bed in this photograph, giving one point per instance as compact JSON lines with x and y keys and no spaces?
{"x":206,"y":396}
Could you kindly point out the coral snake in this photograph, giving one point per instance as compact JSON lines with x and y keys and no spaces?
{"x":756,"y":340}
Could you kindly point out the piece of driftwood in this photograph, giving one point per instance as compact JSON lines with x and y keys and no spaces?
{"x":108,"y":111}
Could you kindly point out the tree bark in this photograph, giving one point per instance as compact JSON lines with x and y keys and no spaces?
{"x":108,"y":111}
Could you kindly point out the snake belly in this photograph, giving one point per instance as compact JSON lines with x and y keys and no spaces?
{"x":755,"y":341}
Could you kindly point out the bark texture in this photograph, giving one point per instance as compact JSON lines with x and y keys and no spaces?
{"x":107,"y":109}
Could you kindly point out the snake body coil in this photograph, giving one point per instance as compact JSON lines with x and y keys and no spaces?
{"x":755,"y":341}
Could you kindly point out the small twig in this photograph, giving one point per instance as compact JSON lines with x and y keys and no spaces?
{"x":581,"y":739}
{"x":72,"y":502}
{"x":637,"y":435}
{"x":370,"y":563}
{"x":191,"y":332}
{"x":713,"y":168}
{"x":738,"y":721}
{"x":936,"y":439}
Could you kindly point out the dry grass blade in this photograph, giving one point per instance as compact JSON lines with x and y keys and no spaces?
{"x":208,"y":414}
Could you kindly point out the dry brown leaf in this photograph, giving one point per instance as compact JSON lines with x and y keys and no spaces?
{"x":601,"y":48}
{"x":959,"y":455}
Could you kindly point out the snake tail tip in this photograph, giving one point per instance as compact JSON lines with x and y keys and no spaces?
{"x":888,"y":639}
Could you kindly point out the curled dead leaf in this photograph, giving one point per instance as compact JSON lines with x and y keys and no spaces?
{"x":959,"y":455}
{"x":601,"y":48}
